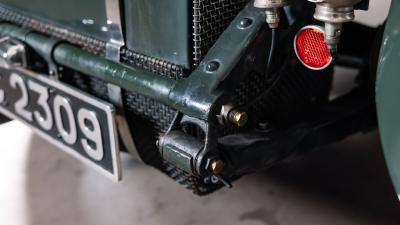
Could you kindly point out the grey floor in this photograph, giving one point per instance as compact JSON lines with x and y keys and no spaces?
{"x":342,"y":184}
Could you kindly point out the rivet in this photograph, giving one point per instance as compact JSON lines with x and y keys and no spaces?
{"x":245,"y":22}
{"x":212,"y":66}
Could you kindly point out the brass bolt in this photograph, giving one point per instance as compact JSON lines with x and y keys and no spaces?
{"x":217,"y":166}
{"x":238,"y":118}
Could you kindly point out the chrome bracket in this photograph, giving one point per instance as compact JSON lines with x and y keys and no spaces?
{"x":114,"y":26}
{"x":12,"y":53}
{"x":113,"y":48}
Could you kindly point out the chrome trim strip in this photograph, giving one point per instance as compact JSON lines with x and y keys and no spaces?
{"x":108,"y":108}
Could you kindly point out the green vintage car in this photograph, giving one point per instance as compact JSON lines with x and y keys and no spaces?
{"x":206,"y":91}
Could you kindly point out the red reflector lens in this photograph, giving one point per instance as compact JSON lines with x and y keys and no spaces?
{"x":311,"y":48}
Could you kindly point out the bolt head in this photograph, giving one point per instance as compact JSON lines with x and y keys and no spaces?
{"x":217,"y":166}
{"x":239,"y":118}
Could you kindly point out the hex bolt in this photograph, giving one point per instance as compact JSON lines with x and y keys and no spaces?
{"x":217,"y":166}
{"x":238,"y":118}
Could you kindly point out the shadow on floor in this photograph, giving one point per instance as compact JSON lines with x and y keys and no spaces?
{"x":344,"y":183}
{"x":352,"y":173}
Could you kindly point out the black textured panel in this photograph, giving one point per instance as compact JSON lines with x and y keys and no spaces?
{"x":286,"y":99}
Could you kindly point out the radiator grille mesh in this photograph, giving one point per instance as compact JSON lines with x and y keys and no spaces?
{"x":210,"y":19}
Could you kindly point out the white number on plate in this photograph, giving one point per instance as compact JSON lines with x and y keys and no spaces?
{"x":59,"y":104}
{"x":87,"y":120}
{"x":20,"y":105}
{"x":92,"y":133}
{"x":46,"y":121}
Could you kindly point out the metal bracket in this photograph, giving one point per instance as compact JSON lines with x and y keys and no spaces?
{"x":12,"y":53}
{"x":114,"y":26}
{"x":113,"y":47}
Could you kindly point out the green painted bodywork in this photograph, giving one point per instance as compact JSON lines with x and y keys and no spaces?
{"x":83,"y":16}
{"x":388,"y":94}
{"x":155,"y":28}
{"x":160,"y":29}
{"x":198,"y":96}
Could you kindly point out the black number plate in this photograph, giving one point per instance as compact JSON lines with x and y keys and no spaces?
{"x":82,"y":125}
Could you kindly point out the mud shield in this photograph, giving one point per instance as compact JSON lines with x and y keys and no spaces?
{"x":388,"y":94}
